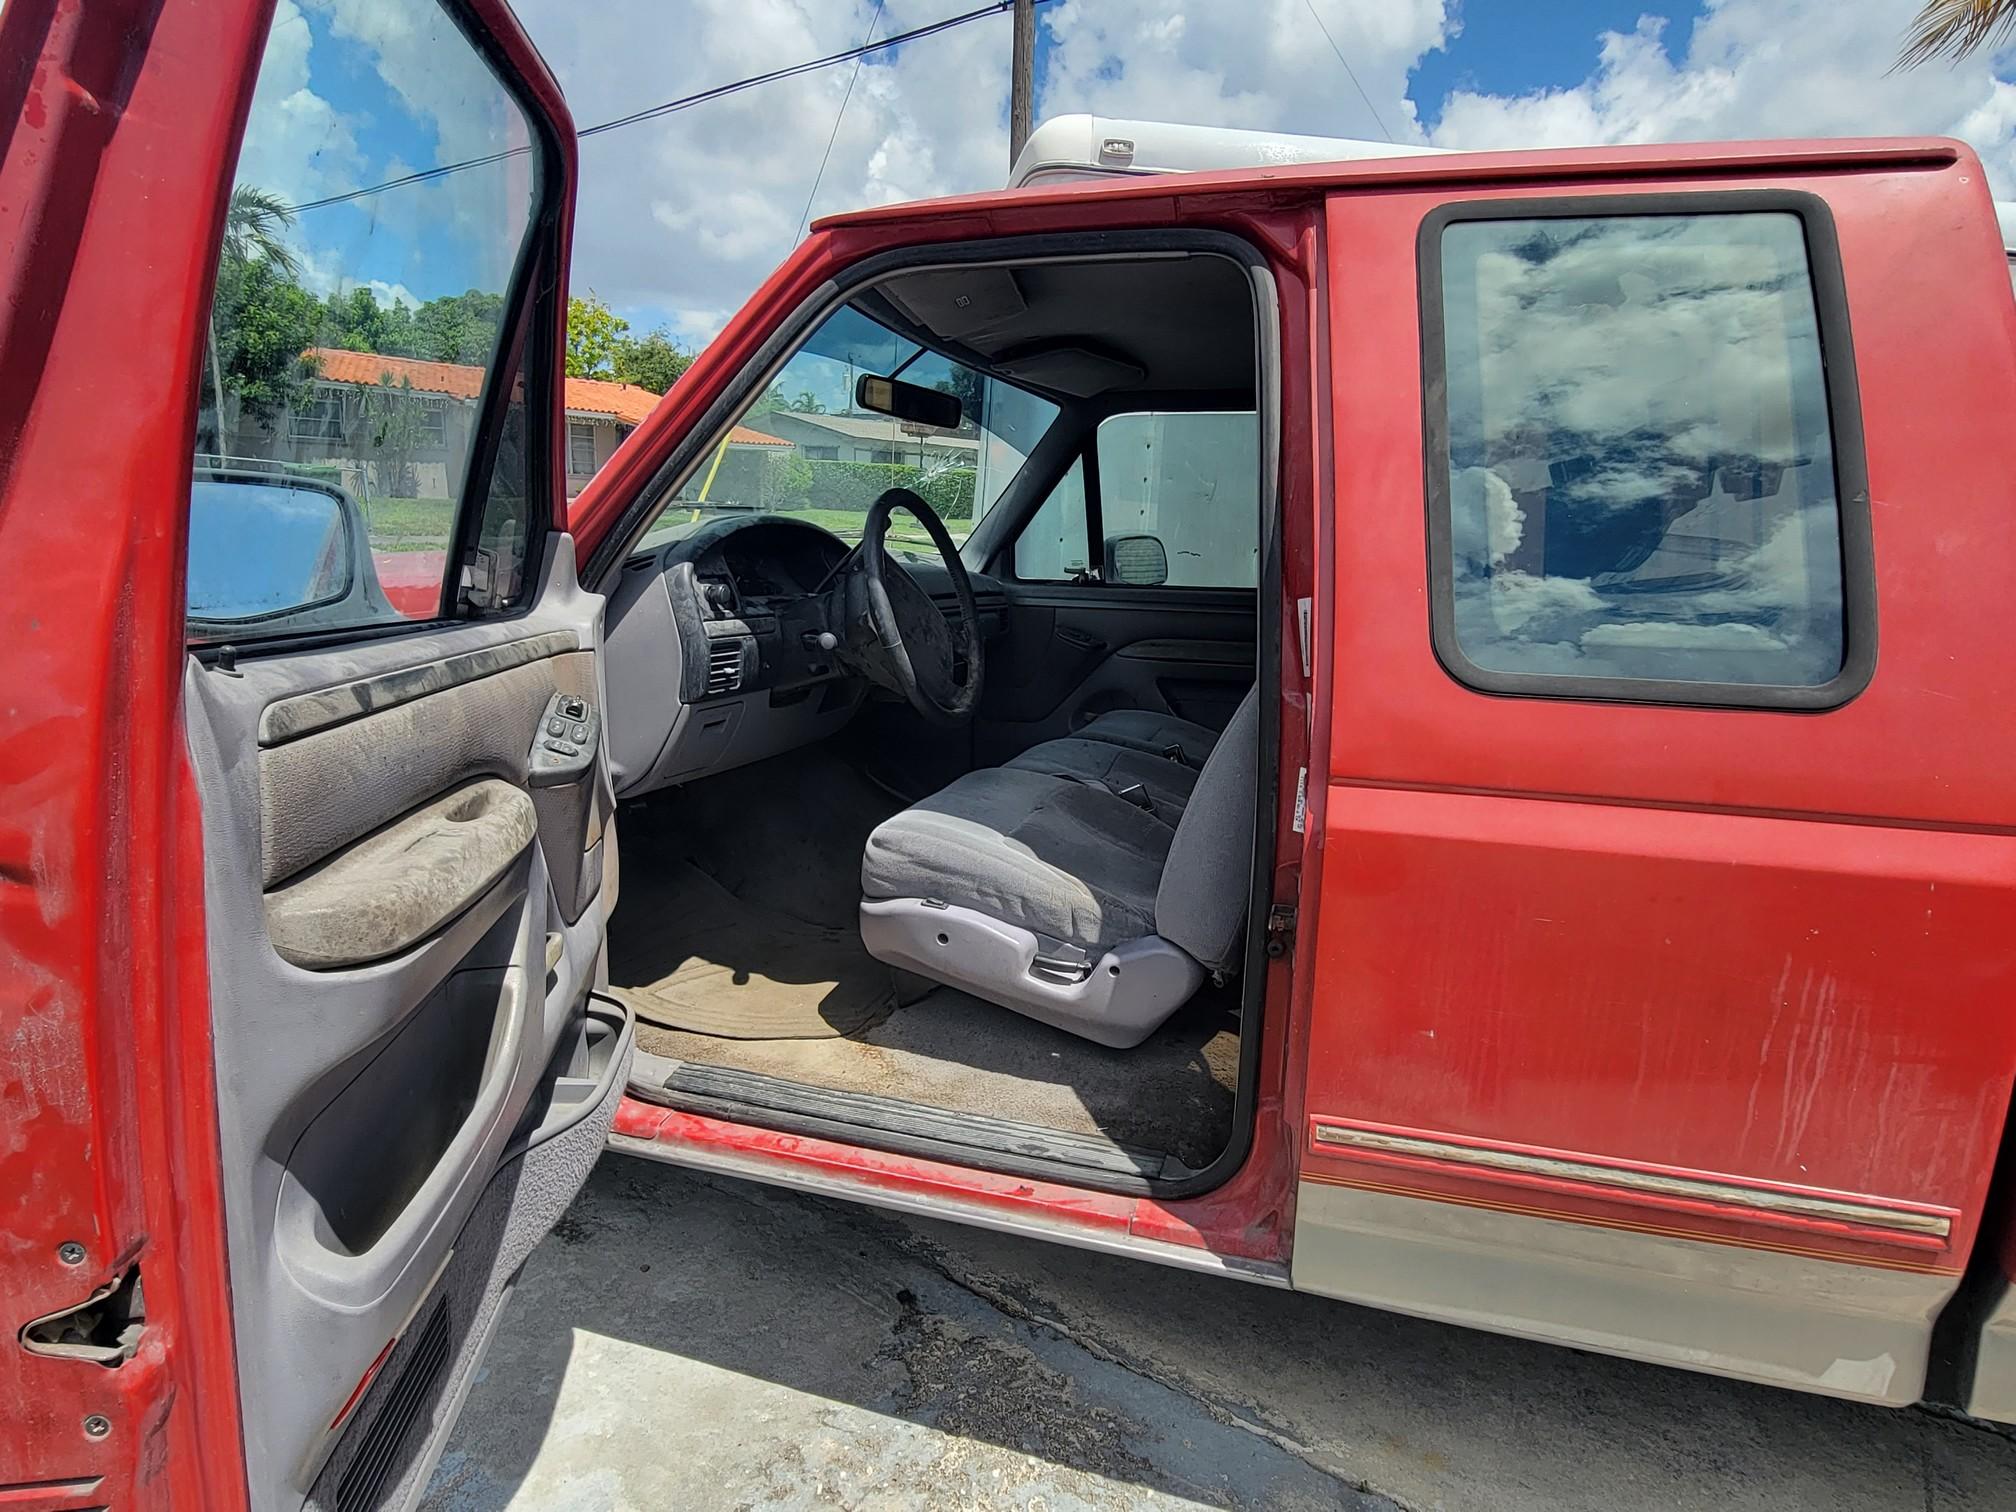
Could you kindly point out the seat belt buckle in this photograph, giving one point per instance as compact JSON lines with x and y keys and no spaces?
{"x":1137,"y":795}
{"x":1174,"y":752}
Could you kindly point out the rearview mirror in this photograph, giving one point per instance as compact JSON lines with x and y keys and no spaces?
{"x":908,"y":402}
{"x":1137,"y":560}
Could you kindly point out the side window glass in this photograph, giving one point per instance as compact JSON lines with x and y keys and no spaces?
{"x":1640,"y":479}
{"x":380,"y":205}
{"x":1179,"y":499}
{"x":1051,"y":547}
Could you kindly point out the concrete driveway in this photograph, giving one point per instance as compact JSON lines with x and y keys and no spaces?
{"x":683,"y":1341}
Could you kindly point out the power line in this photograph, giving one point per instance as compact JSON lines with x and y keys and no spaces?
{"x":838,"y":116}
{"x":669,"y":107}
{"x":1348,"y":71}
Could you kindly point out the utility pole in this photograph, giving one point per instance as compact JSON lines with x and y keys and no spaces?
{"x":1021,"y":86}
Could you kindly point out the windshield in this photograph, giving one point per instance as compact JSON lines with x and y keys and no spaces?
{"x":806,"y":449}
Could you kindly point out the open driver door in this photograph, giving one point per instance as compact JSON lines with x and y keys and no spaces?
{"x":307,"y":845}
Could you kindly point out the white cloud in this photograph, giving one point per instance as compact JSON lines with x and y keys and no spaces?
{"x":322,"y":272}
{"x":1757,"y":68}
{"x":689,"y":213}
{"x":298,"y":145}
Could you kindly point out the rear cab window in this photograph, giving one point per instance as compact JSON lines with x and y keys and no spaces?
{"x":1644,"y":470}
{"x":356,"y":426}
{"x":1176,"y":504}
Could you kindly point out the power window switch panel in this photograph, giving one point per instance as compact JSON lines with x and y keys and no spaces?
{"x":567,"y":743}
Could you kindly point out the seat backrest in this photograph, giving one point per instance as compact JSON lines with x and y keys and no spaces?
{"x":1201,"y":903}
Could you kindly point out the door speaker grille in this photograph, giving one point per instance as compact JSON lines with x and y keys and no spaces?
{"x":363,"y":1484}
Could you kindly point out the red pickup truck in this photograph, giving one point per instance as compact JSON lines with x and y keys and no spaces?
{"x":1432,"y":731}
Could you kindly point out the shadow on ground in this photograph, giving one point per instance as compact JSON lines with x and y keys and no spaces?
{"x":684,"y":1341}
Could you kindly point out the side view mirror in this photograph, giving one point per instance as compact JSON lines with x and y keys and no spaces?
{"x":1138,"y":560}
{"x":261,"y":547}
{"x":907,"y":401}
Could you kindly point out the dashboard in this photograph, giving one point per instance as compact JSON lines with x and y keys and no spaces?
{"x":713,"y":647}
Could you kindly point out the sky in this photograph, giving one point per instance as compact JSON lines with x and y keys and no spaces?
{"x":682,"y":217}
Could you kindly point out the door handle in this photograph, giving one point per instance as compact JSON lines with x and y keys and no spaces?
{"x":1074,"y":637}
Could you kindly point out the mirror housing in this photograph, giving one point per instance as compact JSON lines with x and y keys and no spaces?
{"x":1139,"y":561}
{"x":907,"y":401}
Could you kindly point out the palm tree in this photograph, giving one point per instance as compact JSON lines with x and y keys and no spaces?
{"x":253,"y":222}
{"x":1954,"y":28}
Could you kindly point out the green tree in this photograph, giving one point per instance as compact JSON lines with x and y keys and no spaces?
{"x":807,"y":403}
{"x":594,"y":334}
{"x":1953,"y":29}
{"x":458,"y":327}
{"x":392,"y":416}
{"x":772,"y":398}
{"x":652,"y":361}
{"x":253,"y":222}
{"x":265,"y":322}
{"x":358,"y":323}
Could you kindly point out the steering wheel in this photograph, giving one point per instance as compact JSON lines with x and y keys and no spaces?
{"x":912,"y":648}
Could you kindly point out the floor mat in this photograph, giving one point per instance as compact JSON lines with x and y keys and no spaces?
{"x":695,"y":957}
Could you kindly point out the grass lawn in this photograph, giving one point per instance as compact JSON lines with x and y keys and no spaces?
{"x":409,"y":524}
{"x":846,"y":523}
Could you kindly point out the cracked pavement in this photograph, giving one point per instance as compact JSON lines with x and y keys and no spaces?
{"x":689,"y":1341}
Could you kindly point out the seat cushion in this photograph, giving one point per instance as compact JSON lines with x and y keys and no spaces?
{"x":1167,"y":784}
{"x":1042,"y":852}
{"x":1157,"y":734}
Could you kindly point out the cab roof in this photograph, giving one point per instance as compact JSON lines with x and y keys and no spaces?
{"x":1682,"y":159}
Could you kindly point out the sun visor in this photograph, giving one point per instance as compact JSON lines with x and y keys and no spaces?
{"x":958,"y":303}
{"x":1073,"y":370}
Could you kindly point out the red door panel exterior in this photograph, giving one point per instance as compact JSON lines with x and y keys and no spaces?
{"x":1631,"y":965}
{"x":109,"y":198}
{"x":112,"y":190}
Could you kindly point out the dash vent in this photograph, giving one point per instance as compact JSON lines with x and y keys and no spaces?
{"x":379,"y":1457}
{"x":724,"y":667}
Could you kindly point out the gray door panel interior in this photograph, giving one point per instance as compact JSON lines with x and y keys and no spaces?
{"x":1075,"y":651}
{"x":403,"y":937}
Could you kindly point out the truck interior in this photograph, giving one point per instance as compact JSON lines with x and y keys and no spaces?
{"x":938,"y":732}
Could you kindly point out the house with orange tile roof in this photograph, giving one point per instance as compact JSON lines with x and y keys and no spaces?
{"x":398,"y":426}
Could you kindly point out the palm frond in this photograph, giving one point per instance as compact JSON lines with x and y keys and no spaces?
{"x":252,"y":226}
{"x":1953,"y":29}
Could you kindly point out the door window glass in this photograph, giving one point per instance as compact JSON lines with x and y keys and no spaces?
{"x":1179,"y":498}
{"x":1051,"y":547}
{"x":1640,"y":471}
{"x":377,"y":213}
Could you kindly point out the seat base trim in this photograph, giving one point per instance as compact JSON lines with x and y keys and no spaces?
{"x":1128,"y":994}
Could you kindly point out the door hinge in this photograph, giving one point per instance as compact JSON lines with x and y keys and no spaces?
{"x":1280,"y":930}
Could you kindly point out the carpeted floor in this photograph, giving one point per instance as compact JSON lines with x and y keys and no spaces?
{"x":738,"y":917}
{"x":711,"y":963}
